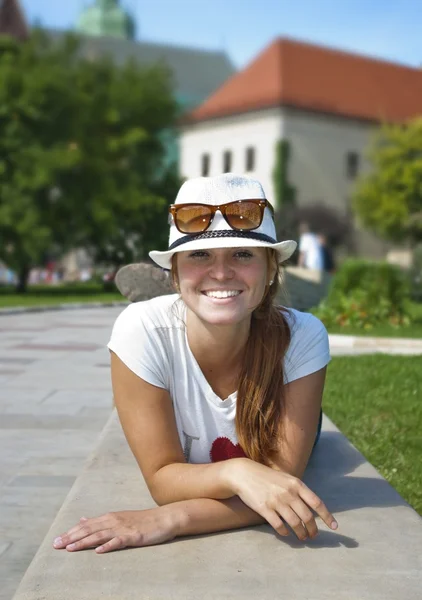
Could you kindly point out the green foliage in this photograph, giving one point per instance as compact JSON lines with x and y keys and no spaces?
{"x":388,"y":200}
{"x":365,"y":294}
{"x":82,"y":162}
{"x":285,"y":193}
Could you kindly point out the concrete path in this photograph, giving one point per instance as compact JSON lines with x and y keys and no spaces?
{"x":55,"y":398}
{"x":374,"y":555}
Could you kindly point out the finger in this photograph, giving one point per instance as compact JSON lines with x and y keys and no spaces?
{"x":92,"y":541}
{"x":275,"y":521}
{"x":83,"y":529}
{"x":117,"y":543}
{"x":294,"y":521}
{"x":306,"y":516}
{"x":314,"y":502}
{"x":79,"y":532}
{"x":90,"y":525}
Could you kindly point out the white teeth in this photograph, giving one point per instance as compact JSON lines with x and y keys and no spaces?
{"x":222,"y":294}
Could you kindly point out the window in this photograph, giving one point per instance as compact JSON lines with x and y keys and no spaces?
{"x":250,"y":159}
{"x":205,"y":165}
{"x":227,"y":161}
{"x":352,"y":165}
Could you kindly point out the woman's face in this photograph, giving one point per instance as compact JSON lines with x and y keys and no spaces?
{"x":223,"y":286}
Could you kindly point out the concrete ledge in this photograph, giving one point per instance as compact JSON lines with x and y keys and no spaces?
{"x":354,"y":344}
{"x":364,"y":341}
{"x":375,"y":555}
{"x":16,"y":310}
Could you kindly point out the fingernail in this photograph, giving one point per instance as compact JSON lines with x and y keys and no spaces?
{"x":58,"y":542}
{"x":334,"y":525}
{"x":70,"y":546}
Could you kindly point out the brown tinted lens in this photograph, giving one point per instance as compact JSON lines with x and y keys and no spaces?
{"x":244,"y":215}
{"x":193,"y":219}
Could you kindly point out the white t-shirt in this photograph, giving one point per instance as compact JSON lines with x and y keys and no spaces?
{"x":150,"y":339}
{"x":310,"y":246}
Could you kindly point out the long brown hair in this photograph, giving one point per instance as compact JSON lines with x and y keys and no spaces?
{"x":259,"y":406}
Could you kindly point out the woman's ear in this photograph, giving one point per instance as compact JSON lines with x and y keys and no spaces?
{"x":272,"y":270}
{"x":174,"y":274}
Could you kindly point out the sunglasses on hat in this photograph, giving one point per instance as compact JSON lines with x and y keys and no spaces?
{"x":241,"y":215}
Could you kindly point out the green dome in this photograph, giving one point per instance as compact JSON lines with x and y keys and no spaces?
{"x":106,"y":18}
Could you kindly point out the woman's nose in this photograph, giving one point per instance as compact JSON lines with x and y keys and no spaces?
{"x":221,"y":269}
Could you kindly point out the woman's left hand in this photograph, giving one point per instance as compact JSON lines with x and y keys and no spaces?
{"x":118,"y":530}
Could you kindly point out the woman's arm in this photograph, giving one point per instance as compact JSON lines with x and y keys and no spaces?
{"x":278,"y":497}
{"x":298,"y":429}
{"x":147,"y":417}
{"x":136,"y":528}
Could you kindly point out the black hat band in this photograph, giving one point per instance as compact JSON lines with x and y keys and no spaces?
{"x":206,"y":235}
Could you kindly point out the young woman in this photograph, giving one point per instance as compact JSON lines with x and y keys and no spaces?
{"x":218,"y":391}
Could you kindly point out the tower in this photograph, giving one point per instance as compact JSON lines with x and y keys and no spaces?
{"x":106,"y":18}
{"x":12,"y":20}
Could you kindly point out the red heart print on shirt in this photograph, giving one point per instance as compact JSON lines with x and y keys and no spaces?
{"x":222,"y":449}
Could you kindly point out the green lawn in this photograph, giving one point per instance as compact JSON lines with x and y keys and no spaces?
{"x":376,"y":401}
{"x":42,"y":295}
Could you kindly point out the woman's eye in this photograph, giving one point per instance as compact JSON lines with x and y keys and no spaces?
{"x":198,"y":254}
{"x":244,"y":254}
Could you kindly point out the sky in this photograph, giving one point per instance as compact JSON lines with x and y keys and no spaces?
{"x":385,"y":29}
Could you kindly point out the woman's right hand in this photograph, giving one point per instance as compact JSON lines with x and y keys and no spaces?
{"x":278,"y":497}
{"x":124,"y":529}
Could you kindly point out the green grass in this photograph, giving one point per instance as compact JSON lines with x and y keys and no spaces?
{"x":43,"y":295}
{"x":412,"y":331}
{"x":376,"y":401}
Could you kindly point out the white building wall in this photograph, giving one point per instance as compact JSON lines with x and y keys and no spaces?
{"x":319,"y":147}
{"x":317,"y":169}
{"x":260,"y":130}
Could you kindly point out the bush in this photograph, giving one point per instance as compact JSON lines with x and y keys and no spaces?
{"x":364,"y":294}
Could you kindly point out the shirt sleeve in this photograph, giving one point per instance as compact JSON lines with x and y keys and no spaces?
{"x":309,"y":349}
{"x":138,"y":346}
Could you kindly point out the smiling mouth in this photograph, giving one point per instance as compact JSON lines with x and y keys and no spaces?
{"x":221,"y":294}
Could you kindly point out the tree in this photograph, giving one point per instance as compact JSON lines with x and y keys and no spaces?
{"x":36,"y":109}
{"x":285,"y":193}
{"x":388,"y":200}
{"x":82,"y":157}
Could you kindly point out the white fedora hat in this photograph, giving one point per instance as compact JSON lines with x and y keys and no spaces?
{"x":216,"y":191}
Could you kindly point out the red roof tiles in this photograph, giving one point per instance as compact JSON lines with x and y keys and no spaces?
{"x":292,"y":73}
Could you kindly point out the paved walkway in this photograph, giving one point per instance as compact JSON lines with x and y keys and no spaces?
{"x":55,"y":397}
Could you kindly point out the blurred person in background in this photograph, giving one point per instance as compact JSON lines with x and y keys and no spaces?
{"x":328,"y":263}
{"x":310,"y":250}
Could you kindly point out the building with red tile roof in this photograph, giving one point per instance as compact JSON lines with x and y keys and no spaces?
{"x":323,"y":80}
{"x":324,"y":102}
